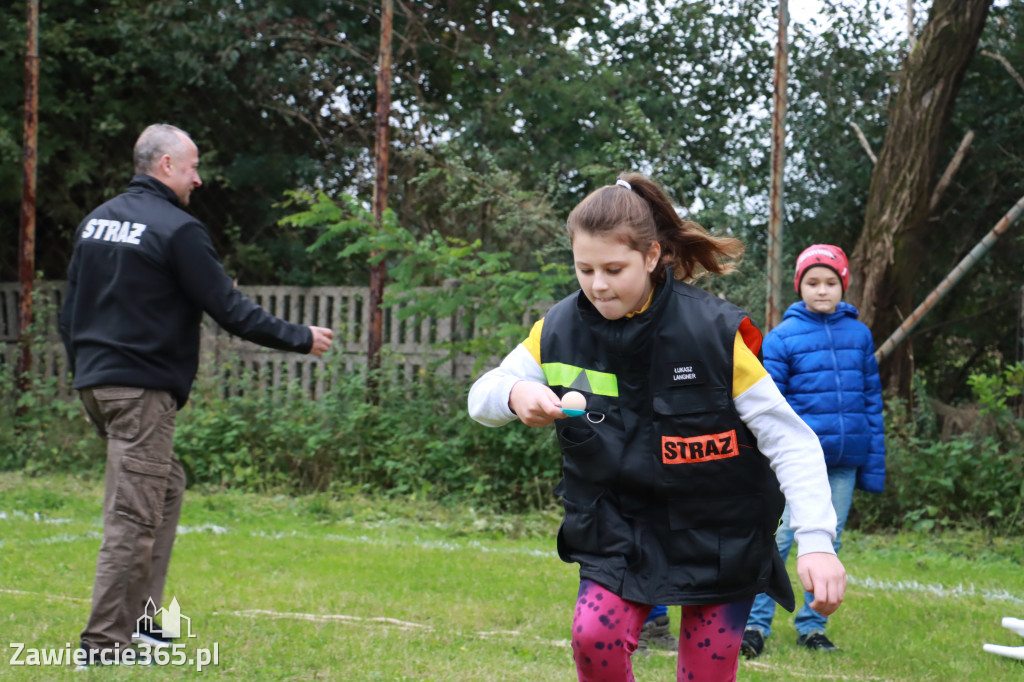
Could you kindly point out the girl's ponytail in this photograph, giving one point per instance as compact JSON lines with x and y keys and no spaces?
{"x":685,"y":245}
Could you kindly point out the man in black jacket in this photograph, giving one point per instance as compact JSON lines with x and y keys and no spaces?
{"x":142,"y":274}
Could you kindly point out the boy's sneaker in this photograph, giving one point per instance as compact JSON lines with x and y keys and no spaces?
{"x":753,"y":643}
{"x":816,"y":641}
{"x":655,"y":634}
{"x":145,"y":635}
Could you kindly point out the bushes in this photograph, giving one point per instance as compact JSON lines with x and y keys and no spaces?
{"x":973,"y":478}
{"x":417,"y":441}
{"x":947,"y":466}
{"x":40,"y":433}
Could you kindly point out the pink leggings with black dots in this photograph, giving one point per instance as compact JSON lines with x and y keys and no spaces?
{"x":606,"y":627}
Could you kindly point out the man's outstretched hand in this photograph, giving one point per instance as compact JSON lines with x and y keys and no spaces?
{"x":322,"y":337}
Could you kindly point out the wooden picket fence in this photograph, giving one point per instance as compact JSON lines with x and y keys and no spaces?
{"x":49,"y":359}
{"x":235,"y":366}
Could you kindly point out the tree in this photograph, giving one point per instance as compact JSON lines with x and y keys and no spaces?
{"x":975,"y":327}
{"x":846,"y":71}
{"x":277,"y":96}
{"x":887,"y":259}
{"x":505,"y":114}
{"x":110,"y":68}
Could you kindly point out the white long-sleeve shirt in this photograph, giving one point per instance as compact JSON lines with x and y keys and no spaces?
{"x":790,"y":445}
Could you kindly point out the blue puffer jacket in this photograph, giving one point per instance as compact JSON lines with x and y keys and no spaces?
{"x":825,"y":366}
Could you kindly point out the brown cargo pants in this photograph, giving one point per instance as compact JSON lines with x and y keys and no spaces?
{"x":144,"y":487}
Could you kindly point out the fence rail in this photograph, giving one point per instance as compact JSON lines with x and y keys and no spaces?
{"x":235,"y":364}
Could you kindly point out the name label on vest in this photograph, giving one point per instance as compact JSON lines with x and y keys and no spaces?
{"x":698,"y":448}
{"x":686,"y":373}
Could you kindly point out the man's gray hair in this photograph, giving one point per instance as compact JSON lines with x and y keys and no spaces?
{"x":155,"y":141}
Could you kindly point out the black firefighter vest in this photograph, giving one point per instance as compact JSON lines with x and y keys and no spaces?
{"x":667,"y":498}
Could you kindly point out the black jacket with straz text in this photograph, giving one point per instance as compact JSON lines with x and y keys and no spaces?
{"x":142,"y":274}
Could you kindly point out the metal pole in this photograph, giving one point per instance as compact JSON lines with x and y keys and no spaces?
{"x":378,"y":272}
{"x":773,"y":309}
{"x":27,"y":233}
{"x":952,"y":278}
{"x":1019,"y":354}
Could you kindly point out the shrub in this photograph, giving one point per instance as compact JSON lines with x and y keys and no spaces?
{"x":418,"y":440}
{"x":40,"y":431}
{"x":973,"y":479}
{"x":414,"y":439}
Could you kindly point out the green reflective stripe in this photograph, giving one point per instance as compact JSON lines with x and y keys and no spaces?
{"x":589,"y":380}
{"x":559,"y":374}
{"x":603,"y":383}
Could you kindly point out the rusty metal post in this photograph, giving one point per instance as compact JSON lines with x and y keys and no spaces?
{"x":1019,"y":355}
{"x":378,"y":272}
{"x":952,"y":278}
{"x":773,"y":308}
{"x":27,"y":234}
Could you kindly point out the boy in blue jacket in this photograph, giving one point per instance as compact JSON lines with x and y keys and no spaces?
{"x":823,"y":360}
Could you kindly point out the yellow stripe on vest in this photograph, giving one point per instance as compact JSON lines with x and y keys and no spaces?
{"x":589,"y":380}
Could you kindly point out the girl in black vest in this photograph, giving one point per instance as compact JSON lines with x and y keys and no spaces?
{"x":674,"y":474}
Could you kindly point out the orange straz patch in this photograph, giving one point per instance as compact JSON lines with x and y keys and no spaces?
{"x":698,"y":448}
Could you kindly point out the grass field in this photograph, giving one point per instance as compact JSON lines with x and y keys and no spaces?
{"x":356,"y":589}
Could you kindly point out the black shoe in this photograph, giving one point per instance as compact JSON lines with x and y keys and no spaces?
{"x":655,"y":634}
{"x":86,"y":657}
{"x":753,"y":643}
{"x":816,"y":641}
{"x":81,"y":660}
{"x":144,"y":634}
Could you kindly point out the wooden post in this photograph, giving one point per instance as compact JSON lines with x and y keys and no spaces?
{"x":27,"y":235}
{"x":773,"y":309}
{"x":378,"y":272}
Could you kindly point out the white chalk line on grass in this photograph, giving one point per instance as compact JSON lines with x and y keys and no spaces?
{"x":60,"y":538}
{"x":912,"y":586}
{"x":203,"y":528}
{"x":442,"y":545}
{"x":490,"y":634}
{"x":386,"y":622}
{"x":935,"y":589}
{"x":761,"y":665}
{"x":35,"y":516}
{"x":45,"y":595}
{"x":327,"y":617}
{"x":420,"y":627}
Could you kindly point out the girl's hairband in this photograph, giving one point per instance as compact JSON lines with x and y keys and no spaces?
{"x":625,"y":184}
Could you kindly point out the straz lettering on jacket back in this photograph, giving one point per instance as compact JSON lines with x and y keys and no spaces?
{"x":675,"y":450}
{"x":113,"y":231}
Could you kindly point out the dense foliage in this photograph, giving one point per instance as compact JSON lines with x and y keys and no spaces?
{"x":418,"y":441}
{"x":964,"y":467}
{"x":493,"y":300}
{"x":505,"y":115}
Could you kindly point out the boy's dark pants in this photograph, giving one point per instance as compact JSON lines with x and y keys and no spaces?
{"x":144,"y":487}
